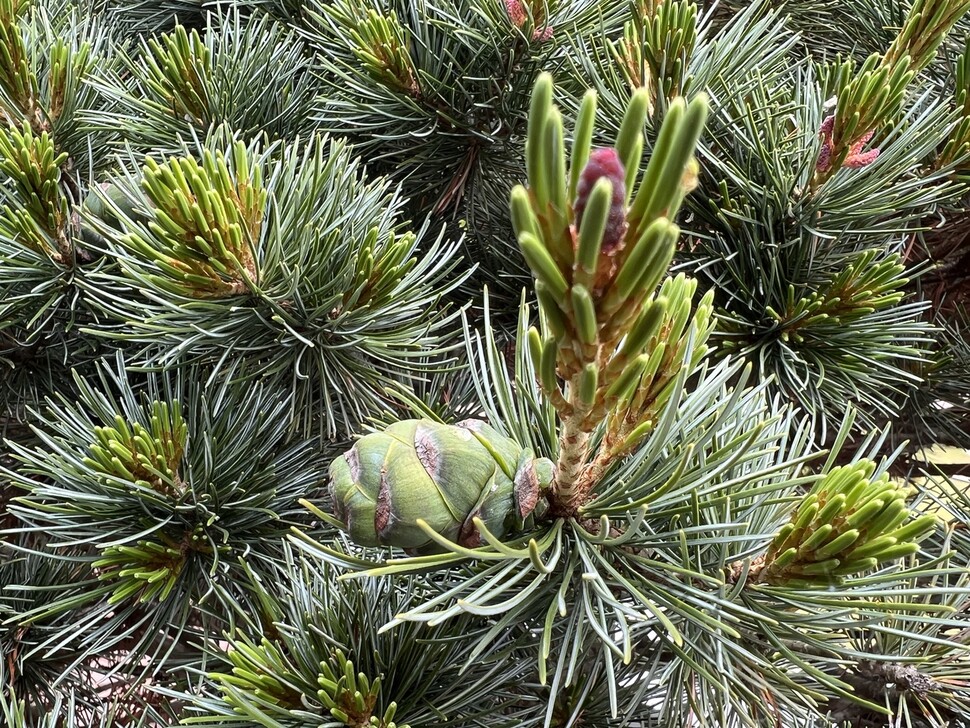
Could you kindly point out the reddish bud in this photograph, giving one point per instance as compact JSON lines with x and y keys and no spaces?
{"x":825,"y":153}
{"x":543,"y":34}
{"x":857,"y":147}
{"x":824,"y":157}
{"x":517,"y":13}
{"x":604,"y":162}
{"x":857,"y":158}
{"x":855,"y":161}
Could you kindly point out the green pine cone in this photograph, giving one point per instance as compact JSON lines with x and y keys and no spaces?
{"x":444,"y":474}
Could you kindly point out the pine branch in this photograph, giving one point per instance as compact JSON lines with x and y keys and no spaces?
{"x":309,"y":276}
{"x":256,"y":284}
{"x":187,"y":82}
{"x":436,"y":96}
{"x":152,"y":497}
{"x":318,"y":659}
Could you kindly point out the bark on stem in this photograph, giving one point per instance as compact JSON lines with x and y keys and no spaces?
{"x":567,"y":490}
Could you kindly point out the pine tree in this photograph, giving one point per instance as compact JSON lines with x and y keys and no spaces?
{"x":495,"y":363}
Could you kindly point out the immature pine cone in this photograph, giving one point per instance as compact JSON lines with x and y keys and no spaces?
{"x":604,"y":162}
{"x":444,"y":474}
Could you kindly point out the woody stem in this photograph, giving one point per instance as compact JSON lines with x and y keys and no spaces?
{"x":569,"y":489}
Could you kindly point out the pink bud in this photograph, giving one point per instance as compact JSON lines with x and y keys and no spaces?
{"x":517,"y":13}
{"x":825,"y":153}
{"x":543,"y":35}
{"x":856,"y":148}
{"x":604,"y":162}
{"x":857,"y":158}
{"x":862,"y":142}
{"x":824,"y":157}
{"x":855,"y":161}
